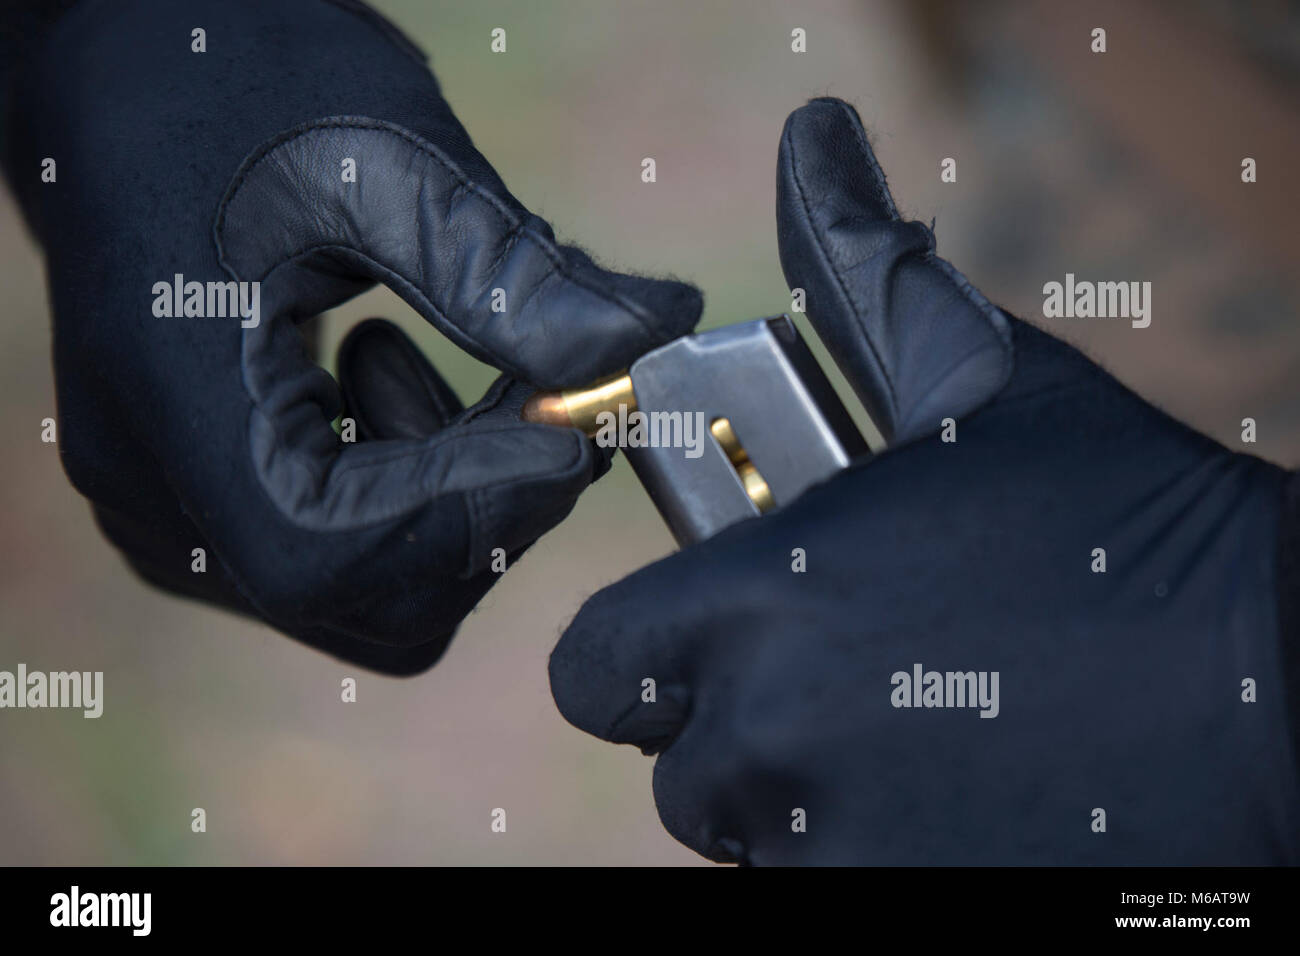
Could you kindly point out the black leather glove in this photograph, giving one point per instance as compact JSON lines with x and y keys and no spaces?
{"x":214,"y":431}
{"x":1144,"y":714}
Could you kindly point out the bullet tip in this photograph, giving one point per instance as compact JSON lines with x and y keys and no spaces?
{"x":546,"y":408}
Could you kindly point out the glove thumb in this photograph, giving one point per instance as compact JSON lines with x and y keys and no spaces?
{"x":918,"y":342}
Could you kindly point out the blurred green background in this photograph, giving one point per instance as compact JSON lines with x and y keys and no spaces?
{"x":1120,"y":166}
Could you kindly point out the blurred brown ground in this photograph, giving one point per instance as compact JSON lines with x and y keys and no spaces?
{"x":1120,"y":166}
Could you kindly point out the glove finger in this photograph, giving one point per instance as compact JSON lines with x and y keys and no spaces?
{"x":918,"y":342}
{"x":389,"y":387}
{"x":383,"y":517}
{"x":517,"y":479}
{"x":722,"y":774}
{"x":690,"y":779}
{"x":615,"y":672}
{"x":624,"y":670}
{"x":454,"y":243}
{"x":613,"y":675}
{"x":508,"y":409}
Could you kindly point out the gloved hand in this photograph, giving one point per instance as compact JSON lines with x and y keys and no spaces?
{"x":1120,"y":729}
{"x":214,"y":431}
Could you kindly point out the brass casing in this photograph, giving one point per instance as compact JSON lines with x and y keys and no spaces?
{"x":755,"y":487}
{"x":578,"y":407}
{"x":584,"y":404}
